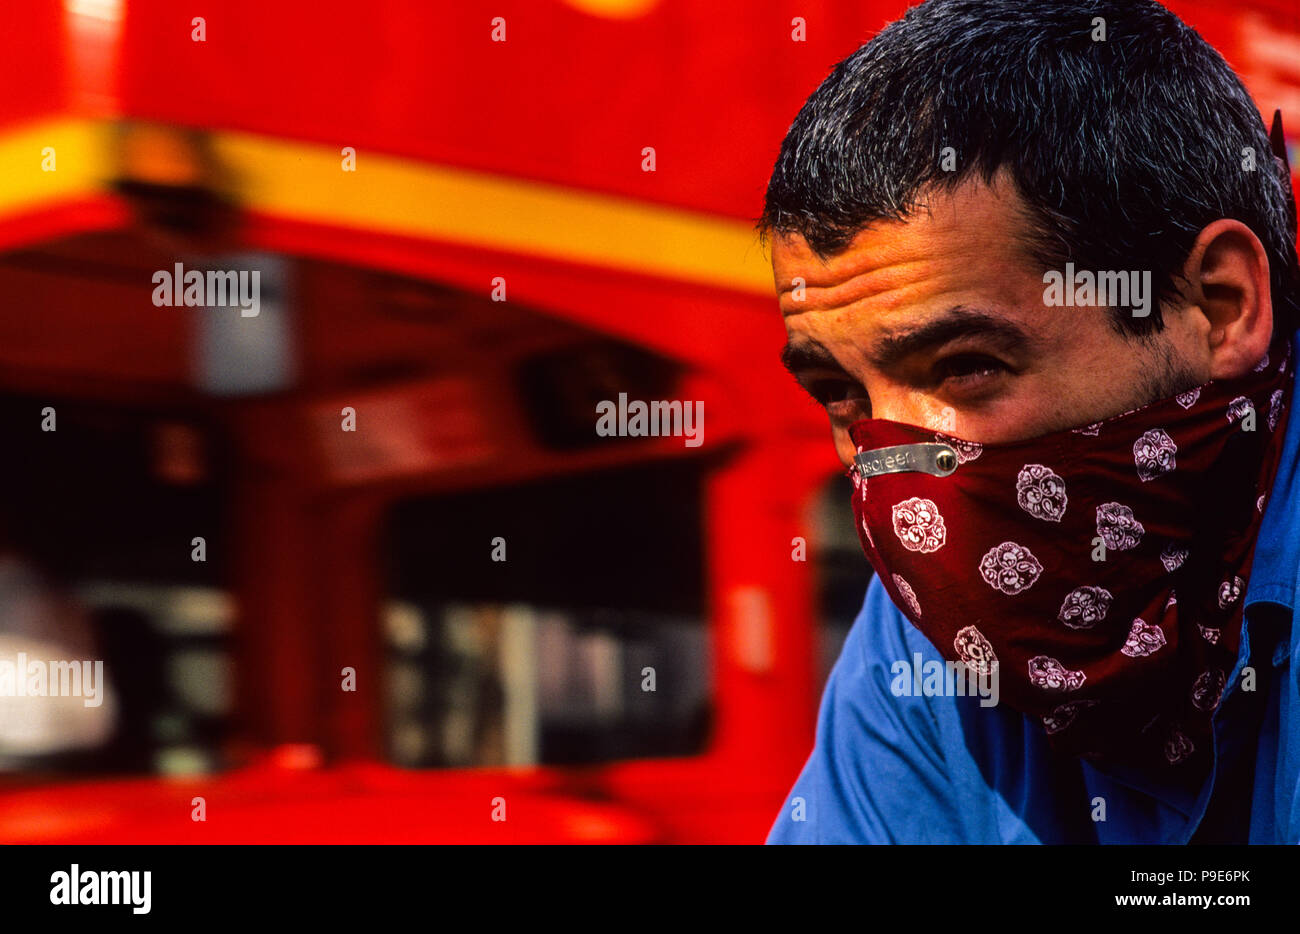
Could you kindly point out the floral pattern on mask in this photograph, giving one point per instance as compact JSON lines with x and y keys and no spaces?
{"x":1085,"y":607}
{"x":1173,"y":557}
{"x":1143,"y":639}
{"x":1050,"y":675}
{"x":919,"y":526}
{"x":1208,"y":689}
{"x":1239,"y":408}
{"x":1010,"y":568}
{"x":908,"y":594}
{"x":1178,"y":747}
{"x":1117,"y":527}
{"x":1063,"y":716}
{"x":1154,"y":454}
{"x":1040,"y":491}
{"x":1274,"y":409}
{"x":1230,"y":592}
{"x":975,"y":651}
{"x":967,"y":451}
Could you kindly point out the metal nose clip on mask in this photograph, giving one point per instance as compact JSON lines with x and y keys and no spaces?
{"x":934,"y":458}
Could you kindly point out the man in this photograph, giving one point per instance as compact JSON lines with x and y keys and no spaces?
{"x":1037,"y":261}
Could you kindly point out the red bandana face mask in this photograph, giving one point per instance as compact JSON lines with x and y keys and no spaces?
{"x":1097,"y":572}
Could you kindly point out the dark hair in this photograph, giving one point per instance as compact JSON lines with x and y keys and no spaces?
{"x":1122,"y":149}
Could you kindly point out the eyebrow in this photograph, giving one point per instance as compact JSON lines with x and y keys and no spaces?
{"x":958,"y":321}
{"x":808,"y":355}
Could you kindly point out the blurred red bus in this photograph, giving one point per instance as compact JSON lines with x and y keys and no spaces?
{"x":432,"y":605}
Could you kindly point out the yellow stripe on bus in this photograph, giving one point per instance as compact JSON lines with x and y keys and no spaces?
{"x":306,"y":182}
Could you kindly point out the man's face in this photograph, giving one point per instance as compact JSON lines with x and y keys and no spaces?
{"x":939,"y":320}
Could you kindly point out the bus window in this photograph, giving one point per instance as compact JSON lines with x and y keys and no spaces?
{"x":97,"y":565}
{"x":174,"y":669}
{"x":583,"y":641}
{"x":842,"y":570}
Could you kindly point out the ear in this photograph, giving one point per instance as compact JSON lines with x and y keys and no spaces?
{"x":1228,"y":281}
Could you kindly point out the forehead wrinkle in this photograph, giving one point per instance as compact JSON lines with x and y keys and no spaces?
{"x":870,"y":249}
{"x":871,"y":284}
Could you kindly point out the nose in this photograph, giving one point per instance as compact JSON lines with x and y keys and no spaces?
{"x":912,"y":408}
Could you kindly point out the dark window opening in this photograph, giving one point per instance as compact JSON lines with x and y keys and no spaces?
{"x":549,"y":655}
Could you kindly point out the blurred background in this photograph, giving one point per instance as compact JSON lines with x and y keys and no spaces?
{"x":472,"y":606}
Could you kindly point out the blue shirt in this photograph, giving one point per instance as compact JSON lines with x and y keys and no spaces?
{"x":888,"y":769}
